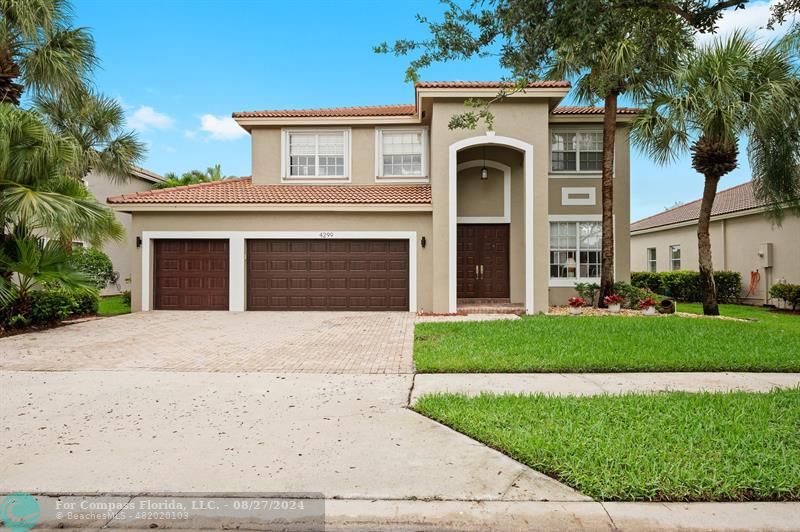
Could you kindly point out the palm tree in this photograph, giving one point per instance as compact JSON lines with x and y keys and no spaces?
{"x":31,"y":263}
{"x":726,"y":91}
{"x":626,"y":63}
{"x":96,"y":124}
{"x":193,"y":177}
{"x":40,"y":51}
{"x":35,"y":191}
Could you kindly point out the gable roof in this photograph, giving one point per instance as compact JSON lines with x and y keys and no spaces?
{"x":243,"y":191}
{"x":147,"y":175}
{"x":735,"y":199}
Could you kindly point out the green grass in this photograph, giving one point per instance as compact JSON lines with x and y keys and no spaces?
{"x":113,"y":306}
{"x":770,"y":342}
{"x":660,"y":447}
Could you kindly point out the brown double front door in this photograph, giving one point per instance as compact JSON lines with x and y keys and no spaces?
{"x":482,"y":261}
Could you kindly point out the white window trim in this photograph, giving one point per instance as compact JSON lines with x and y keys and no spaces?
{"x":570,"y":281}
{"x":652,"y":264}
{"x":237,"y":267}
{"x":286,"y":178}
{"x":379,"y":176}
{"x":672,"y":260}
{"x":576,"y":172}
{"x":506,"y":217}
{"x":566,"y":192}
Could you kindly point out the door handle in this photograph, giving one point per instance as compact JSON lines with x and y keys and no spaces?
{"x":477,"y":272}
{"x":481,"y":271}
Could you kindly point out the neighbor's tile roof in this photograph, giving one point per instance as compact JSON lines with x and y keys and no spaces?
{"x":242,"y":190}
{"x":489,"y":84}
{"x":734,"y":199}
{"x":373,"y":110}
{"x":577,"y":110}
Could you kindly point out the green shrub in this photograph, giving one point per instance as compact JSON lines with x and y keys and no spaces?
{"x":685,"y":285}
{"x":729,"y":286}
{"x":126,"y":297}
{"x":789,"y":293}
{"x":633,"y":294}
{"x":649,"y":280}
{"x":95,"y":264}
{"x":588,"y":291}
{"x":47,"y":307}
{"x":86,"y":303}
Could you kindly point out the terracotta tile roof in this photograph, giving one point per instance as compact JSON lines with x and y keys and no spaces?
{"x":242,"y":190}
{"x":488,"y":84}
{"x":373,"y":110}
{"x":734,"y":199}
{"x":577,"y":110}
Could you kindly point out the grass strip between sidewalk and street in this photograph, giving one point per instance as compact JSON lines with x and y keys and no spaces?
{"x":769,"y":342}
{"x":671,"y":446}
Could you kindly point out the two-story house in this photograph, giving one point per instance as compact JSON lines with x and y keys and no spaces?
{"x":387,"y":208}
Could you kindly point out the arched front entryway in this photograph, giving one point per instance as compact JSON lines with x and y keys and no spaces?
{"x":454,"y":167}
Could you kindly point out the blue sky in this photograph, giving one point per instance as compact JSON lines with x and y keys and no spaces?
{"x":181,"y":68}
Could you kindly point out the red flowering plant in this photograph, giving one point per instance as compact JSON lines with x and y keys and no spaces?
{"x":576,"y":302}
{"x":647,"y":303}
{"x":614,"y":299}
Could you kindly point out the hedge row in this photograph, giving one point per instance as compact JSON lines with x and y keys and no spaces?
{"x":788,"y":293}
{"x":47,"y":307}
{"x":685,"y":285}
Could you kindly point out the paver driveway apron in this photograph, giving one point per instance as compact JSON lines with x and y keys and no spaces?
{"x":317,"y":342}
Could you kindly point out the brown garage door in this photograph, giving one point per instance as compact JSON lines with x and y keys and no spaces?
{"x":327,"y":274}
{"x":191,"y":274}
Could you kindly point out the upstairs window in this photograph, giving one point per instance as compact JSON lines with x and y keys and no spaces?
{"x":575,"y":250}
{"x":675,"y":257}
{"x":400,"y":153}
{"x":317,"y":154}
{"x":576,"y":151}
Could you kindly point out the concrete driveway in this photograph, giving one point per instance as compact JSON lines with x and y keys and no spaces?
{"x":286,"y":342}
{"x":345,"y":436}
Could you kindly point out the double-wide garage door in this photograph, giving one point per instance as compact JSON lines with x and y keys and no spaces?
{"x":327,"y":274}
{"x":282,"y":274}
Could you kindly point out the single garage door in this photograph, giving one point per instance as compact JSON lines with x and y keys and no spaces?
{"x":191,"y":274}
{"x":327,"y":274}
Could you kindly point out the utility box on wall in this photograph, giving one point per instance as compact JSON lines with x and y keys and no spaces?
{"x":765,"y":254}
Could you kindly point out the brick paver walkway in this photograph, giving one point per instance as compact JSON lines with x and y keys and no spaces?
{"x":286,"y":342}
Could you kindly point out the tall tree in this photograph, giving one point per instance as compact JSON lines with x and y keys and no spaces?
{"x":40,"y":51}
{"x":35,"y":190}
{"x":608,"y":48}
{"x":731,"y":89}
{"x":96,"y":124}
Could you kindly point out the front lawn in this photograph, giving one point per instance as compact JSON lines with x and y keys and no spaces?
{"x":661,"y":447}
{"x":113,"y":306}
{"x":771,"y":342}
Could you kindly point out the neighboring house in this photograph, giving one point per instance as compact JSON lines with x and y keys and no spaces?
{"x":743,"y":239}
{"x":102,"y":186}
{"x":387,"y":208}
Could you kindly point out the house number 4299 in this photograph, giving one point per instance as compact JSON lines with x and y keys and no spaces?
{"x":326,"y":234}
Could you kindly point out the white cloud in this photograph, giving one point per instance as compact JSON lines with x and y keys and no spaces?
{"x":221,"y":127}
{"x":752,"y":19}
{"x":145,"y":118}
{"x":190,"y":133}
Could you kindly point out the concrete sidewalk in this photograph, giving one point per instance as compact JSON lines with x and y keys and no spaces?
{"x":598,"y":383}
{"x":417,"y":515}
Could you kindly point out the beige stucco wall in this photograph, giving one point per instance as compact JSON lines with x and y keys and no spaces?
{"x":734,"y":245}
{"x":102,"y":187}
{"x":266,"y":154}
{"x":292,"y":221}
{"x":477,"y":197}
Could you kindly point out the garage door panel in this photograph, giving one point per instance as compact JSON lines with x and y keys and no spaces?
{"x":334,"y":274}
{"x":191,"y":274}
